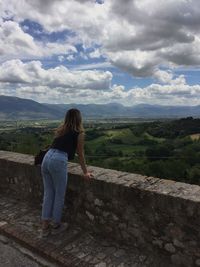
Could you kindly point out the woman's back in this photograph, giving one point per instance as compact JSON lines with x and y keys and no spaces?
{"x":66,"y":143}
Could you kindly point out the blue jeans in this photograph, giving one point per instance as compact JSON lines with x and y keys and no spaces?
{"x":54,"y":174}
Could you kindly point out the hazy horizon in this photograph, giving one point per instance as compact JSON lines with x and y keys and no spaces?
{"x":109,"y":103}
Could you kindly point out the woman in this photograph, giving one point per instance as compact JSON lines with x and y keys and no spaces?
{"x":69,"y":138}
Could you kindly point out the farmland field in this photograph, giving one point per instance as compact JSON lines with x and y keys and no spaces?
{"x":165,"y":149}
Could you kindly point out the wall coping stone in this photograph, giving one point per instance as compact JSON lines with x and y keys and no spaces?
{"x":123,"y":179}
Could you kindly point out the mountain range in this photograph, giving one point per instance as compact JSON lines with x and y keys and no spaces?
{"x":15,"y":108}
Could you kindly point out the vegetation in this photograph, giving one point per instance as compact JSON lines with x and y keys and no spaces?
{"x":165,"y":149}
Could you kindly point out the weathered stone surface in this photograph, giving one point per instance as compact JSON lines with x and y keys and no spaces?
{"x":101,"y":264}
{"x":115,"y":218}
{"x":101,"y":256}
{"x":91,"y":216}
{"x":178,"y":244}
{"x":176,"y":259}
{"x":105,"y":213}
{"x":89,"y":196}
{"x":98,"y":202}
{"x":4,"y":239}
{"x":139,"y":211}
{"x":119,"y":253}
{"x":170,"y":248}
{"x":75,"y":247}
{"x":158,"y":243}
{"x":122,"y":265}
{"x":197,"y":262}
{"x":14,"y":255}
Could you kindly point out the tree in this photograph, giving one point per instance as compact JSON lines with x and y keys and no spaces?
{"x":194,"y":175}
{"x":158,"y":152}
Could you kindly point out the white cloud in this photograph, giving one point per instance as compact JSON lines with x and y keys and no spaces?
{"x":167,"y":77}
{"x":95,"y":54}
{"x":163,"y":76}
{"x":154,"y":94}
{"x":160,"y":33}
{"x":70,"y":57}
{"x":32,"y":73}
{"x":15,"y":43}
{"x":93,"y":66}
{"x":61,"y":85}
{"x":61,"y":58}
{"x":144,"y":38}
{"x":137,"y":63}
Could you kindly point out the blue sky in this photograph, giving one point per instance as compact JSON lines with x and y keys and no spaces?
{"x":87,"y":51}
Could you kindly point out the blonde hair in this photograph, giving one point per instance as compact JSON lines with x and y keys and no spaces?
{"x":72,"y":122}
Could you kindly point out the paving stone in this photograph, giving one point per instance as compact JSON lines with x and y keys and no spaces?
{"x":94,"y":260}
{"x":101,"y":256}
{"x":119,"y":253}
{"x":90,"y":215}
{"x":101,"y":264}
{"x":75,"y":247}
{"x":68,"y":247}
{"x":2,"y":223}
{"x":121,"y":265}
{"x":4,"y":239}
{"x":88,"y":258}
{"x":170,"y":248}
{"x":98,"y":202}
{"x":176,"y":259}
{"x":177,"y":243}
{"x":81,"y":255}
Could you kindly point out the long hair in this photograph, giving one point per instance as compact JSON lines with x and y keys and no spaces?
{"x":72,"y":122}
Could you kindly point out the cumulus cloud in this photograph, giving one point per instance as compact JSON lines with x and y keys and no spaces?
{"x":167,"y":77}
{"x":165,"y":31}
{"x":157,"y":94}
{"x":58,"y":15}
{"x":163,"y":76}
{"x":95,"y":54}
{"x":93,"y":66}
{"x":15,"y":43}
{"x":61,"y":85}
{"x":154,"y":94}
{"x":32,"y":73}
{"x":61,"y":58}
{"x":138,"y":63}
{"x":161,"y":33}
{"x":144,"y":38}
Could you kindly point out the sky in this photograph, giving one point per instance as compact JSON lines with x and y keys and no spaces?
{"x":112,"y":51}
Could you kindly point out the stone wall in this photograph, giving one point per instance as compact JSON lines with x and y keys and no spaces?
{"x":156,"y":215}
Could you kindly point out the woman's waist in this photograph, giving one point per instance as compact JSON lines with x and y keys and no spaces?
{"x":55,"y":151}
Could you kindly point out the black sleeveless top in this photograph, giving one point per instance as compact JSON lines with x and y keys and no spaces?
{"x":67,"y":143}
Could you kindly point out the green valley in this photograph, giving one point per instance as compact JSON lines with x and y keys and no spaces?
{"x":168,"y":149}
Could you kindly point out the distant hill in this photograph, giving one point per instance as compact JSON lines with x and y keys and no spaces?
{"x":139,"y":111}
{"x":12,"y":108}
{"x":15,"y":108}
{"x":158,"y":111}
{"x":95,"y":110}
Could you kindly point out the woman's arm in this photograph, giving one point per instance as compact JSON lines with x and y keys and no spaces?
{"x":81,"y":156}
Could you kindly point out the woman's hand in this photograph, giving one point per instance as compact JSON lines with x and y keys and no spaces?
{"x":88,"y":175}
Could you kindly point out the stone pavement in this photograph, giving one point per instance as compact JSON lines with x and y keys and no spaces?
{"x":75,"y":247}
{"x":14,"y":255}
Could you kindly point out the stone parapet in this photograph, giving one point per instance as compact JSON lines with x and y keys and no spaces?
{"x":155,"y":215}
